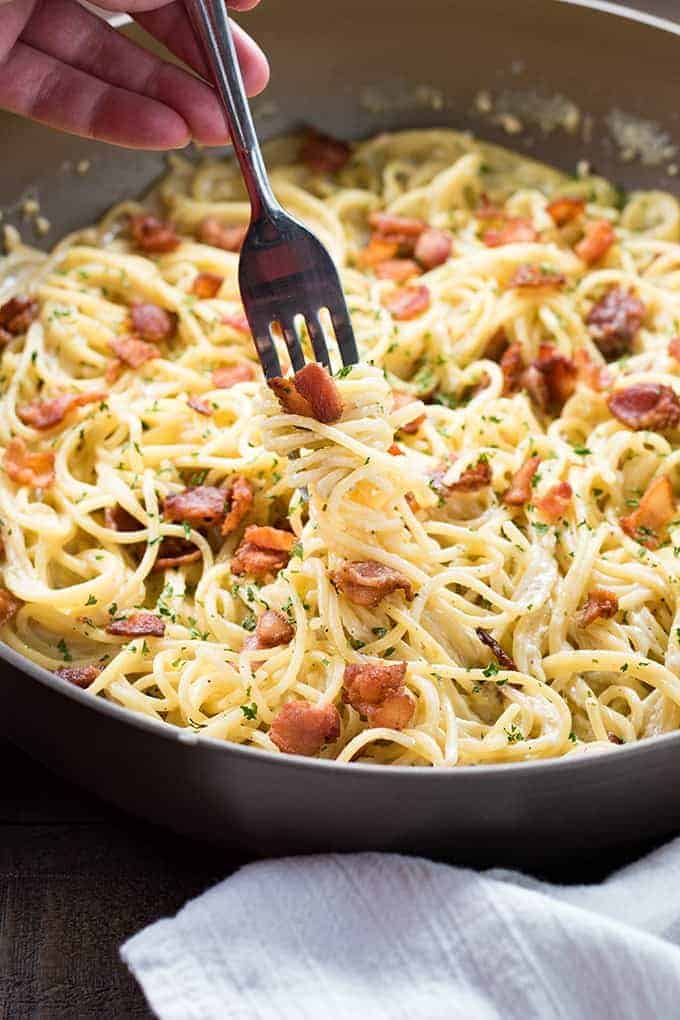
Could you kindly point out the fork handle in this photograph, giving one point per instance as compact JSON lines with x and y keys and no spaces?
{"x":211,"y":24}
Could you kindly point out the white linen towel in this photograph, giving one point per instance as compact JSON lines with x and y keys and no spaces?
{"x":384,"y":937}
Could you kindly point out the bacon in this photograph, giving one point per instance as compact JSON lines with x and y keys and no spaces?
{"x":433,"y":248}
{"x":80,"y":676}
{"x":515,"y":230}
{"x":656,"y":509}
{"x":407,"y":302}
{"x":26,"y":468}
{"x":614,"y":320}
{"x":395,"y":450}
{"x":398,"y":270}
{"x":151,"y":322}
{"x":403,"y":399}
{"x":646,"y":405}
{"x":141,"y":624}
{"x":399,"y":229}
{"x":560,"y":374}
{"x":226,"y":376}
{"x":117,"y":518}
{"x":311,"y":393}
{"x":133,"y":352}
{"x":535,"y":384}
{"x":564,"y":210}
{"x":175,"y":552}
{"x":17,"y":314}
{"x":376,"y":252}
{"x":502,"y":658}
{"x":273,"y":629}
{"x":600,"y":605}
{"x":202,"y":505}
{"x":212,"y":232}
{"x":556,"y":501}
{"x":367,"y":582}
{"x":239,"y":494}
{"x":324,"y":155}
{"x":302,"y":728}
{"x":529,"y":275}
{"x":153,"y":236}
{"x":237,"y":321}
{"x":200,"y":405}
{"x":488,"y":211}
{"x":9,"y":606}
{"x":520,"y":487}
{"x":263,"y":551}
{"x":45,"y":414}
{"x":512,"y":367}
{"x":598,"y":238}
{"x":496,"y":346}
{"x":674,"y":348}
{"x":598,"y":377}
{"x":207,"y":285}
{"x":288,"y":397}
{"x":379,"y":694}
{"x":472,"y":479}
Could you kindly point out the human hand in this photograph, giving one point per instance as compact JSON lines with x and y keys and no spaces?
{"x":63,"y":66}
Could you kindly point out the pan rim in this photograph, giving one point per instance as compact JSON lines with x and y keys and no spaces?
{"x":631,"y":13}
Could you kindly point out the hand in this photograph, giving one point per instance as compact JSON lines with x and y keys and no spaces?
{"x":63,"y":66}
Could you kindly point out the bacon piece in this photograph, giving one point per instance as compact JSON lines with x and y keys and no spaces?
{"x":674,"y":348}
{"x":45,"y":414}
{"x":17,"y":314}
{"x":379,"y":694}
{"x":212,"y":232}
{"x":315,"y":385}
{"x":502,"y":658}
{"x":226,"y":376}
{"x":367,"y":582}
{"x":140,"y":624}
{"x":598,"y":377}
{"x":273,"y":629}
{"x":207,"y":285}
{"x":200,"y":405}
{"x":535,"y":384}
{"x":288,"y":397}
{"x":26,"y":468}
{"x":133,"y":352}
{"x":398,"y":270}
{"x":556,"y":501}
{"x":9,"y":606}
{"x":496,"y":346}
{"x":515,"y":230}
{"x":117,"y":518}
{"x":656,"y":509}
{"x":395,"y":450}
{"x":598,"y":238}
{"x":564,"y":210}
{"x":512,"y":367}
{"x":80,"y":676}
{"x":302,"y":728}
{"x":203,"y":505}
{"x":433,"y":248}
{"x":175,"y":552}
{"x":403,"y":399}
{"x":153,"y":236}
{"x":519,"y":492}
{"x":263,"y":551}
{"x":239,"y":495}
{"x":646,"y":405}
{"x":323,"y":154}
{"x":400,"y":229}
{"x":560,"y":374}
{"x":376,"y":252}
{"x":530,"y":275}
{"x":614,"y":320}
{"x":474,"y":478}
{"x":237,"y":321}
{"x":151,"y":322}
{"x":407,"y":302}
{"x":600,"y":605}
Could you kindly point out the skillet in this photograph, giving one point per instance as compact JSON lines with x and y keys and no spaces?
{"x":358,"y":69}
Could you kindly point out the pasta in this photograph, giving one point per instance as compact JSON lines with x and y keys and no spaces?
{"x":476,"y":561}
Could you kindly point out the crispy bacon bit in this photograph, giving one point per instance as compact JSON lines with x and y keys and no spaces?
{"x":379,"y":694}
{"x":614,"y":320}
{"x":564,"y":210}
{"x":324,"y":155}
{"x":399,"y":229}
{"x":556,"y":502}
{"x":433,"y":248}
{"x":240,"y":498}
{"x":398,"y":270}
{"x":141,"y":624}
{"x":175,"y":552}
{"x":598,"y":377}
{"x":376,"y":252}
{"x":515,"y":230}
{"x":288,"y":397}
{"x":263,"y":551}
{"x":598,"y":238}
{"x":203,"y":506}
{"x":512,"y":367}
{"x":473,"y":479}
{"x":403,"y":399}
{"x":117,"y":518}
{"x":367,"y":582}
{"x":133,"y":352}
{"x":45,"y":414}
{"x":496,"y":346}
{"x":535,"y":384}
{"x":559,"y":372}
{"x":502,"y":658}
{"x":301,"y":728}
{"x":519,"y":492}
{"x":614,"y":739}
{"x":395,"y":450}
{"x":200,"y":405}
{"x":80,"y":676}
{"x":25,"y":468}
{"x":311,"y":393}
{"x":600,"y":605}
{"x":407,"y":302}
{"x":207,"y":285}
{"x":530,"y":275}
{"x":656,"y":509}
{"x":646,"y":405}
{"x":226,"y":376}
{"x":17,"y":314}
{"x":212,"y":232}
{"x":273,"y":629}
{"x":153,"y":236}
{"x":9,"y":606}
{"x":674,"y":348}
{"x":151,"y":322}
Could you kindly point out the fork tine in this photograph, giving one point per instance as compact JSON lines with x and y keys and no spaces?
{"x":344,"y":334}
{"x":266,"y":352}
{"x":292,"y":342}
{"x":318,"y":338}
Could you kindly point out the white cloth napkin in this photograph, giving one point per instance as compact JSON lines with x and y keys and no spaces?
{"x":384,"y":937}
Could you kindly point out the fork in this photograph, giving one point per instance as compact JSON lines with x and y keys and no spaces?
{"x":285,"y":272}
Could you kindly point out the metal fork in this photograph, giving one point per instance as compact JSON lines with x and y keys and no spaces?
{"x":285,"y":271}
